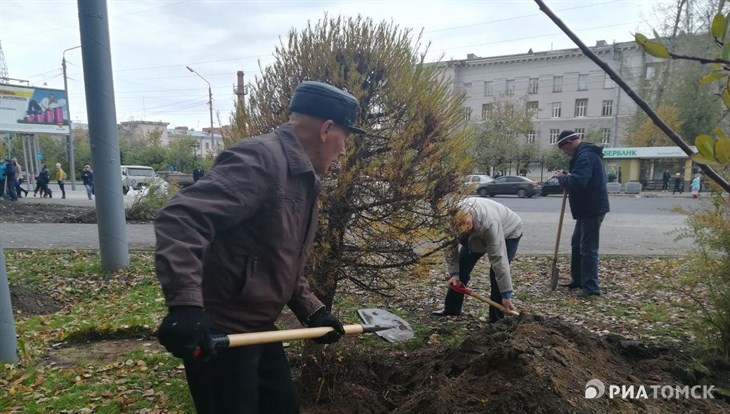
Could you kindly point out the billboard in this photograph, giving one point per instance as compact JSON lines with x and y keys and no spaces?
{"x":33,"y":110}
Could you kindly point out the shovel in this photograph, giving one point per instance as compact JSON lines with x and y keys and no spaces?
{"x":378,"y":321}
{"x":465,"y":290}
{"x":555,"y":274}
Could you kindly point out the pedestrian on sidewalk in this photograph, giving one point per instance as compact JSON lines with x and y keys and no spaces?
{"x":678,"y":184}
{"x":60,"y":176}
{"x":586,"y":185}
{"x":41,"y":183}
{"x":87,"y":177}
{"x":18,"y":178}
{"x":10,"y":183}
{"x":695,"y":186}
{"x":665,"y":180}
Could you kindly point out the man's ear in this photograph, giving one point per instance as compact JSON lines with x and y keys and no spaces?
{"x":325,"y":129}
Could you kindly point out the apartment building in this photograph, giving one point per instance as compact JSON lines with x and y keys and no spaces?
{"x":565,"y":89}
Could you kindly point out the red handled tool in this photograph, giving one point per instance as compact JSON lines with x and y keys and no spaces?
{"x":465,"y":290}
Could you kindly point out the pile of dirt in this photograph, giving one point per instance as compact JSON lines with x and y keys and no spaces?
{"x":531,"y":365}
{"x":26,"y":211}
{"x":30,"y":302}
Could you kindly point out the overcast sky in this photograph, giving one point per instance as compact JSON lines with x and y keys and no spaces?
{"x":153,"y":41}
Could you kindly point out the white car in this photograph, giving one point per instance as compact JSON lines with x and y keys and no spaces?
{"x":473,"y":181}
{"x":137,"y":176}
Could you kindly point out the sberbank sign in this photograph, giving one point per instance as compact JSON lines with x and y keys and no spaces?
{"x":619,"y":153}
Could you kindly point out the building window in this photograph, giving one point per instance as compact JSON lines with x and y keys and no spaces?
{"x":467,"y":113}
{"x":583,"y":82}
{"x":608,"y":83}
{"x":581,"y":132}
{"x":509,"y":88}
{"x":532,"y":87}
{"x":532,"y":107}
{"x":554,"y":136}
{"x":486,"y":109}
{"x":557,"y":83}
{"x":207,"y":146}
{"x":467,"y":89}
{"x":607,"y":108}
{"x":488,"y":88}
{"x":581,"y":107}
{"x":531,"y":137}
{"x":605,"y":135}
{"x":556,"y":109}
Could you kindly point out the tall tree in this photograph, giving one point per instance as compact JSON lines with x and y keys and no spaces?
{"x":380,"y":204}
{"x":646,"y":134}
{"x":499,"y":140}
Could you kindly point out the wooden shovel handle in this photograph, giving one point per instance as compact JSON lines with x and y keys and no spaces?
{"x":465,"y":290}
{"x":255,"y":338}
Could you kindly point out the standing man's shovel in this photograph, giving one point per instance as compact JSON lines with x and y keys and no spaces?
{"x":378,"y":321}
{"x":555,"y":274}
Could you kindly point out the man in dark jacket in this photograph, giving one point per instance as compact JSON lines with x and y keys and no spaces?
{"x":198,"y":173}
{"x":231,"y":254}
{"x":586,"y":184}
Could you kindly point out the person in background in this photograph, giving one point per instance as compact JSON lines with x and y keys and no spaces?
{"x":10,"y":179}
{"x":87,"y":177}
{"x":41,"y":183}
{"x":219,"y":275}
{"x":665,"y":180}
{"x":3,"y":166}
{"x":198,"y":173}
{"x":586,"y":185}
{"x":678,"y":184}
{"x":696,"y":185}
{"x":483,"y":227}
{"x":19,"y":177}
{"x":60,"y":176}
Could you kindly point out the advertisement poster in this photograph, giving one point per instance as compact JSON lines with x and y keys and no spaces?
{"x":33,"y":110}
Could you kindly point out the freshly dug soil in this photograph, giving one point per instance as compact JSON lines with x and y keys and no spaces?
{"x":39,"y":212}
{"x":530,"y":365}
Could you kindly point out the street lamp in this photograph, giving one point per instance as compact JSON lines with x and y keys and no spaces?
{"x":69,"y":138}
{"x":210,"y":105}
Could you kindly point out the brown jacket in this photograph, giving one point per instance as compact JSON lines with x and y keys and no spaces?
{"x":236,"y":242}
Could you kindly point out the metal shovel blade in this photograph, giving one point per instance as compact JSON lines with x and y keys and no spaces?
{"x":400,"y":331}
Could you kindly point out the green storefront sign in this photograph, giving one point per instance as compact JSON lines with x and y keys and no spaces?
{"x":619,"y":153}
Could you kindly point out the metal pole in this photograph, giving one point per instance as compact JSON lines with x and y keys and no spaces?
{"x":26,"y":164}
{"x":103,"y":133}
{"x":69,"y":138}
{"x":210,"y":105}
{"x":8,"y":339}
{"x":36,"y":151}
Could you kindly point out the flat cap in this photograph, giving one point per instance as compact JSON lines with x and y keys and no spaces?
{"x":327,"y":102}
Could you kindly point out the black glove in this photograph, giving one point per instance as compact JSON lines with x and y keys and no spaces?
{"x":323,"y":317}
{"x":184,"y":329}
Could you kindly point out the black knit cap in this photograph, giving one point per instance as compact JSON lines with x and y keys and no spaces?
{"x":326,"y":102}
{"x":566,"y":136}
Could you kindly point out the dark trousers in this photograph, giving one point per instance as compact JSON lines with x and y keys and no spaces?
{"x":63,"y":190}
{"x":249,"y":379}
{"x":467,"y":261}
{"x":665,"y":185}
{"x":678,"y":186}
{"x":584,"y":253}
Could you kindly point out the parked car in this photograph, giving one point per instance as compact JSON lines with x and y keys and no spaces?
{"x":509,"y":184}
{"x":137,"y":176}
{"x":551,"y":186}
{"x":473,"y":181}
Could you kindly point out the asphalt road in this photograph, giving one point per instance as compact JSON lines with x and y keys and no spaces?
{"x":637,"y":225}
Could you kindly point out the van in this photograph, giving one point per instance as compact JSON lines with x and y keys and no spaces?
{"x":137,"y":176}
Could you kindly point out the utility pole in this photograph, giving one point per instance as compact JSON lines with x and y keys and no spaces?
{"x":210,"y":106}
{"x":103,"y":134}
{"x":70,"y":136}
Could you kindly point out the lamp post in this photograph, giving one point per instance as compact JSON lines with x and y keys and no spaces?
{"x":210,"y":106}
{"x":69,"y":137}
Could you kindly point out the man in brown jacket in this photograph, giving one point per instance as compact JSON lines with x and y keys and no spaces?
{"x":231,"y":254}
